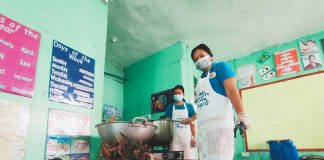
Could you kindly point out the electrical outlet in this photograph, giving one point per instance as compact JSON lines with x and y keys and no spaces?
{"x":245,"y":154}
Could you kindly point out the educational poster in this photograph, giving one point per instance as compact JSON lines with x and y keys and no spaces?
{"x":310,"y":54}
{"x":246,"y":75}
{"x":118,"y":113}
{"x":247,"y":82}
{"x":68,"y":135}
{"x":80,"y":144}
{"x":287,"y":62}
{"x":83,"y":156}
{"x":308,"y":47}
{"x":111,"y":113}
{"x":159,"y":101}
{"x":322,"y":42}
{"x":267,"y":73}
{"x":58,"y":145}
{"x":312,"y":61}
{"x":19,"y":46}
{"x":58,"y":157}
{"x":246,"y":71}
{"x":79,"y":157}
{"x":14,"y":120}
{"x":68,"y":123}
{"x":67,"y":145}
{"x":71,"y":76}
{"x":264,"y":57}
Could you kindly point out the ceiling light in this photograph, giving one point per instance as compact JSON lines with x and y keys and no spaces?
{"x":114,"y":39}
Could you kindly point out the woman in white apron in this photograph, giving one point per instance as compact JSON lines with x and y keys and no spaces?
{"x":184,"y":137}
{"x":215,"y":93}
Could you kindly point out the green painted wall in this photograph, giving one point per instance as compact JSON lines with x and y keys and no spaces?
{"x":156,"y":73}
{"x":189,"y":71}
{"x":113,"y":88}
{"x":270,"y":62}
{"x":72,"y":23}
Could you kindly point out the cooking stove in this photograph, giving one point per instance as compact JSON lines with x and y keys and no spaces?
{"x":141,"y":151}
{"x":168,"y":155}
{"x":164,"y":153}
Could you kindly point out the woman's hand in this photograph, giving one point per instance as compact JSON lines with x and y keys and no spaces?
{"x":193,"y":141}
{"x":186,"y":121}
{"x":245,"y":119}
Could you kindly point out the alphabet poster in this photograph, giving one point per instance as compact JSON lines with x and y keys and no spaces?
{"x":71,"y":77}
{"x":19,"y":46}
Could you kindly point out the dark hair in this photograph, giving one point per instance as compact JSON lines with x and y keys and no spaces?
{"x":203,"y":47}
{"x":310,"y":41}
{"x":178,"y":87}
{"x":311,"y":56}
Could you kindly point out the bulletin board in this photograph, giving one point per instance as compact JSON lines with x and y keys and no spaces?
{"x":289,"y":109}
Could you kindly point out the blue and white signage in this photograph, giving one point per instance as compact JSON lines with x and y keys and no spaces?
{"x":71,"y":76}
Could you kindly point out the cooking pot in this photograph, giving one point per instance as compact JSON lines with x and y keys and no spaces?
{"x":113,"y":132}
{"x":163,"y":136}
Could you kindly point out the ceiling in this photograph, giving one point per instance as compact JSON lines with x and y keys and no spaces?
{"x":231,"y":28}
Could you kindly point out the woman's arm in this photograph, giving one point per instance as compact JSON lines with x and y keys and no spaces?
{"x":193,"y":129}
{"x":235,"y":98}
{"x":189,"y":120}
{"x":233,"y":94}
{"x":193,"y":135}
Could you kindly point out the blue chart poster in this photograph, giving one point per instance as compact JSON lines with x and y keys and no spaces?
{"x":111,"y":111}
{"x":71,"y":76}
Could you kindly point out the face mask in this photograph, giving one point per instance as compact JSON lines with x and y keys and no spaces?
{"x":178,"y":97}
{"x":203,"y":63}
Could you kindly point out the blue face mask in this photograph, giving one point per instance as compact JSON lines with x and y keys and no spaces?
{"x":178,"y":97}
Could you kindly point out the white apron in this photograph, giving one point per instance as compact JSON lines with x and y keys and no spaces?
{"x":182,"y":133}
{"x":215,"y":123}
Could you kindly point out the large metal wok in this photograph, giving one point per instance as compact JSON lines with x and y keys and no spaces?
{"x":163,"y":136}
{"x":114,"y":132}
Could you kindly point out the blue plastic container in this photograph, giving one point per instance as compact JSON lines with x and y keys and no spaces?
{"x":283,"y":150}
